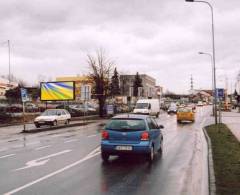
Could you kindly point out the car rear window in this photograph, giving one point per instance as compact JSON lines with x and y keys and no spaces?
{"x":185,"y":110}
{"x":142,"y":105}
{"x":126,"y":125}
{"x":50,"y":113}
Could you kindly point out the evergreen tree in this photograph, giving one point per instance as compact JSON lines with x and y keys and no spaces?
{"x":235,"y":93}
{"x":137,"y":83}
{"x":114,"y":86}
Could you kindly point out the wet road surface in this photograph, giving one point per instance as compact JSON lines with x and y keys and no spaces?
{"x":68,"y":162}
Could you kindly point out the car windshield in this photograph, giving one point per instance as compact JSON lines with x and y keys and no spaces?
{"x":184,"y":110}
{"x":49,"y":113}
{"x":142,"y":105}
{"x":126,"y":125}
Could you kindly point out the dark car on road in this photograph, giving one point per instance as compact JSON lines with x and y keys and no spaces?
{"x":132,"y":134}
{"x":172,"y":109}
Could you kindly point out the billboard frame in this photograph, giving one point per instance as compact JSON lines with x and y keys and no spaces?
{"x":74,"y":87}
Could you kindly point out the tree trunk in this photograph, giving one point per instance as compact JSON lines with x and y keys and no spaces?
{"x":101,"y":101}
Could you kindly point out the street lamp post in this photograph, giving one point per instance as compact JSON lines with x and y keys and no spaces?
{"x":210,"y":55}
{"x":213,"y":56}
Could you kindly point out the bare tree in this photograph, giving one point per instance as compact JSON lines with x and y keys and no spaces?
{"x":100,"y":71}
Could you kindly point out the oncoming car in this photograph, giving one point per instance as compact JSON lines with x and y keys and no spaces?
{"x":132,"y":134}
{"x":185,"y":114}
{"x":53,"y":117}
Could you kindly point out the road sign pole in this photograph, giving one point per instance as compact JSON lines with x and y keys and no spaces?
{"x":24,"y":123}
{"x":220,"y":113}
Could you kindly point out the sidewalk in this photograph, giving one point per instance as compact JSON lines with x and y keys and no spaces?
{"x":232,"y":120}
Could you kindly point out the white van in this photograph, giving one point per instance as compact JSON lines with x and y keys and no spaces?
{"x":147,"y":106}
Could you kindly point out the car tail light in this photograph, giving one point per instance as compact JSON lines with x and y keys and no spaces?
{"x":145,"y":136}
{"x":105,"y":135}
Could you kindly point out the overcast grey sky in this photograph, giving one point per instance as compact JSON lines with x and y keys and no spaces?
{"x":161,"y":38}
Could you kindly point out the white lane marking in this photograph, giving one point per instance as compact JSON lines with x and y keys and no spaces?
{"x":41,"y":161}
{"x":71,"y":140}
{"x":89,"y":156}
{"x":92,"y":135}
{"x":43,"y":147}
{"x":97,"y":150}
{"x":5,"y":156}
{"x":32,"y":143}
{"x":56,"y":135}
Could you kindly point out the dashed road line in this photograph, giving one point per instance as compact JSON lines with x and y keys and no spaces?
{"x":32,"y":143}
{"x":71,"y":140}
{"x":43,"y":147}
{"x":6,"y":156}
{"x":92,"y":135}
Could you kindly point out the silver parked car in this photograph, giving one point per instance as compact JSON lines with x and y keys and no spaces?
{"x":53,"y":117}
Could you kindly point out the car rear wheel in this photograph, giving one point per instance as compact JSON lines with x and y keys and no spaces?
{"x":37,"y":125}
{"x":105,"y":156}
{"x":178,"y":121}
{"x":150,"y":155}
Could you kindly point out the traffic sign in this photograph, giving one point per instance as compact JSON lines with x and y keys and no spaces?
{"x":24,"y":95}
{"x":220,"y":93}
{"x":85,"y":92}
{"x":110,"y":109}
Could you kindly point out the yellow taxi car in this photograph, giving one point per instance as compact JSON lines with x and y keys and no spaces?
{"x":185,"y":114}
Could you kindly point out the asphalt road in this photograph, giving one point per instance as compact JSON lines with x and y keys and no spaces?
{"x":68,"y":162}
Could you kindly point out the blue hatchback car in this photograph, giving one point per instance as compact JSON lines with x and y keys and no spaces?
{"x":132,"y":134}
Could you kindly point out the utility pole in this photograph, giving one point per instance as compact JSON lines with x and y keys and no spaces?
{"x":191,"y":85}
{"x":9,"y":63}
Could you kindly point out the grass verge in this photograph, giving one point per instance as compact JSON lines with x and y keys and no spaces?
{"x":226,"y":157}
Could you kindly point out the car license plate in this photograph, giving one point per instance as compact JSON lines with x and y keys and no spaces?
{"x":124,"y":148}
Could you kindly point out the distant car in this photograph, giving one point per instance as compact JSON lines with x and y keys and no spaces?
{"x":83,"y":108}
{"x":181,"y":106}
{"x":132,"y":134}
{"x":193,"y":106}
{"x":53,"y":117}
{"x":172,"y":109}
{"x":30,"y":107}
{"x":200,"y":103}
{"x":185,"y":114}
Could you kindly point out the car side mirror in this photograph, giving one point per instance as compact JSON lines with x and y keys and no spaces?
{"x":161,"y":127}
{"x":149,"y":106}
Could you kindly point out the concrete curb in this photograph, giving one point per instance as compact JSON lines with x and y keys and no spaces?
{"x":56,"y":127}
{"x":90,"y":117}
{"x":211,"y":175}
